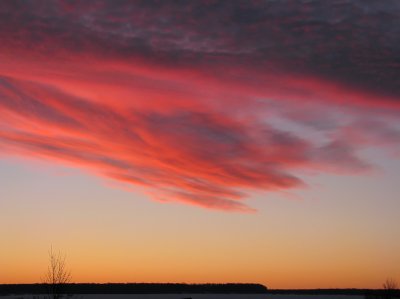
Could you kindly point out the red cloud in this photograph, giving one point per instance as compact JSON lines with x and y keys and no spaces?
{"x":196,"y":120}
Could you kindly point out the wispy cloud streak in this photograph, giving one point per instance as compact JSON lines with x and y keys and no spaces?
{"x":200,"y":102}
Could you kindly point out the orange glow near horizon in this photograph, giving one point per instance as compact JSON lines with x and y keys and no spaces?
{"x":177,"y":264}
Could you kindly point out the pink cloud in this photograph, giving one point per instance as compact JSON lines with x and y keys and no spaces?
{"x":189,"y":117}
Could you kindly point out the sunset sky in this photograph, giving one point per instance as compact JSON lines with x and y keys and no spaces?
{"x":201,"y":141}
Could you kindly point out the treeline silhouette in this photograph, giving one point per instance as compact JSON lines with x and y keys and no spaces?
{"x":183,"y":288}
{"x":138,"y":288}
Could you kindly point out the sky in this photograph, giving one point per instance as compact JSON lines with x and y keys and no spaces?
{"x":201,"y":141}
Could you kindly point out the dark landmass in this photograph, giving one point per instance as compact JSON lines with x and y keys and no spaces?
{"x":182,"y":288}
{"x":138,"y":288}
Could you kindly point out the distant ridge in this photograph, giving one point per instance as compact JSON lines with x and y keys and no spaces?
{"x":183,"y":288}
{"x":138,"y":288}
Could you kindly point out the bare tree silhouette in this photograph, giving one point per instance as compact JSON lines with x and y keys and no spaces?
{"x":57,"y":275}
{"x":389,"y":290}
{"x":390,"y":286}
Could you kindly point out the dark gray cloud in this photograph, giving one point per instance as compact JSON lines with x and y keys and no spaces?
{"x":355,"y":43}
